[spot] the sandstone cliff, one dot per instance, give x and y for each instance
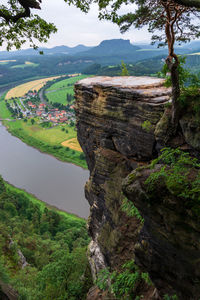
(121, 127)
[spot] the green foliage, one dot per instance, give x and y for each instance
(45, 124)
(129, 208)
(54, 245)
(189, 85)
(146, 278)
(82, 156)
(167, 297)
(18, 25)
(180, 174)
(147, 126)
(103, 279)
(124, 69)
(123, 284)
(4, 277)
(184, 74)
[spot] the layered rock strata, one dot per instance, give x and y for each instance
(116, 122)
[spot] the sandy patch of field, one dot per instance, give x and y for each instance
(22, 89)
(4, 61)
(197, 53)
(72, 144)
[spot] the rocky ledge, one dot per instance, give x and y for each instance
(117, 121)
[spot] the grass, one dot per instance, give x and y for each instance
(4, 112)
(60, 95)
(22, 89)
(58, 91)
(53, 136)
(65, 82)
(42, 204)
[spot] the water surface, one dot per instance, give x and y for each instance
(55, 182)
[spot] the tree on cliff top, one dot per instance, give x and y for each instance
(172, 22)
(175, 20)
(18, 25)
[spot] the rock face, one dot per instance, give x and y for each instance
(116, 122)
(168, 246)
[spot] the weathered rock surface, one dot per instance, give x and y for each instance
(116, 122)
(168, 246)
(111, 112)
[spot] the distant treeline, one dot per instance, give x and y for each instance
(147, 67)
(145, 63)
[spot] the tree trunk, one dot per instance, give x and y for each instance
(173, 63)
(175, 95)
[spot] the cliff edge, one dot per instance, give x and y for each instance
(120, 122)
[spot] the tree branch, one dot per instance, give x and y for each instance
(189, 3)
(26, 4)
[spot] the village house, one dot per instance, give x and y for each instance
(42, 106)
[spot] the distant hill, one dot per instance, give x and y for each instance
(112, 47)
(109, 49)
(58, 50)
(103, 59)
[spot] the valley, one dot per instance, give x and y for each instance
(47, 127)
(118, 128)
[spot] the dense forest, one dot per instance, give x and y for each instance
(47, 261)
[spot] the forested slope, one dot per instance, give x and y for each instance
(43, 251)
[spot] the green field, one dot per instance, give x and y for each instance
(58, 91)
(4, 112)
(65, 82)
(60, 96)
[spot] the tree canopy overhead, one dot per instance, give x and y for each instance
(18, 25)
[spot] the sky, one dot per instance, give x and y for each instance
(75, 27)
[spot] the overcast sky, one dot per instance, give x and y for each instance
(75, 27)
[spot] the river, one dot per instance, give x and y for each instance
(57, 183)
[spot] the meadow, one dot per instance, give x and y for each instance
(58, 91)
(4, 112)
(22, 89)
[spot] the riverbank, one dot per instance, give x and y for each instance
(42, 205)
(47, 140)
(57, 183)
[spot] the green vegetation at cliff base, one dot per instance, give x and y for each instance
(43, 250)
